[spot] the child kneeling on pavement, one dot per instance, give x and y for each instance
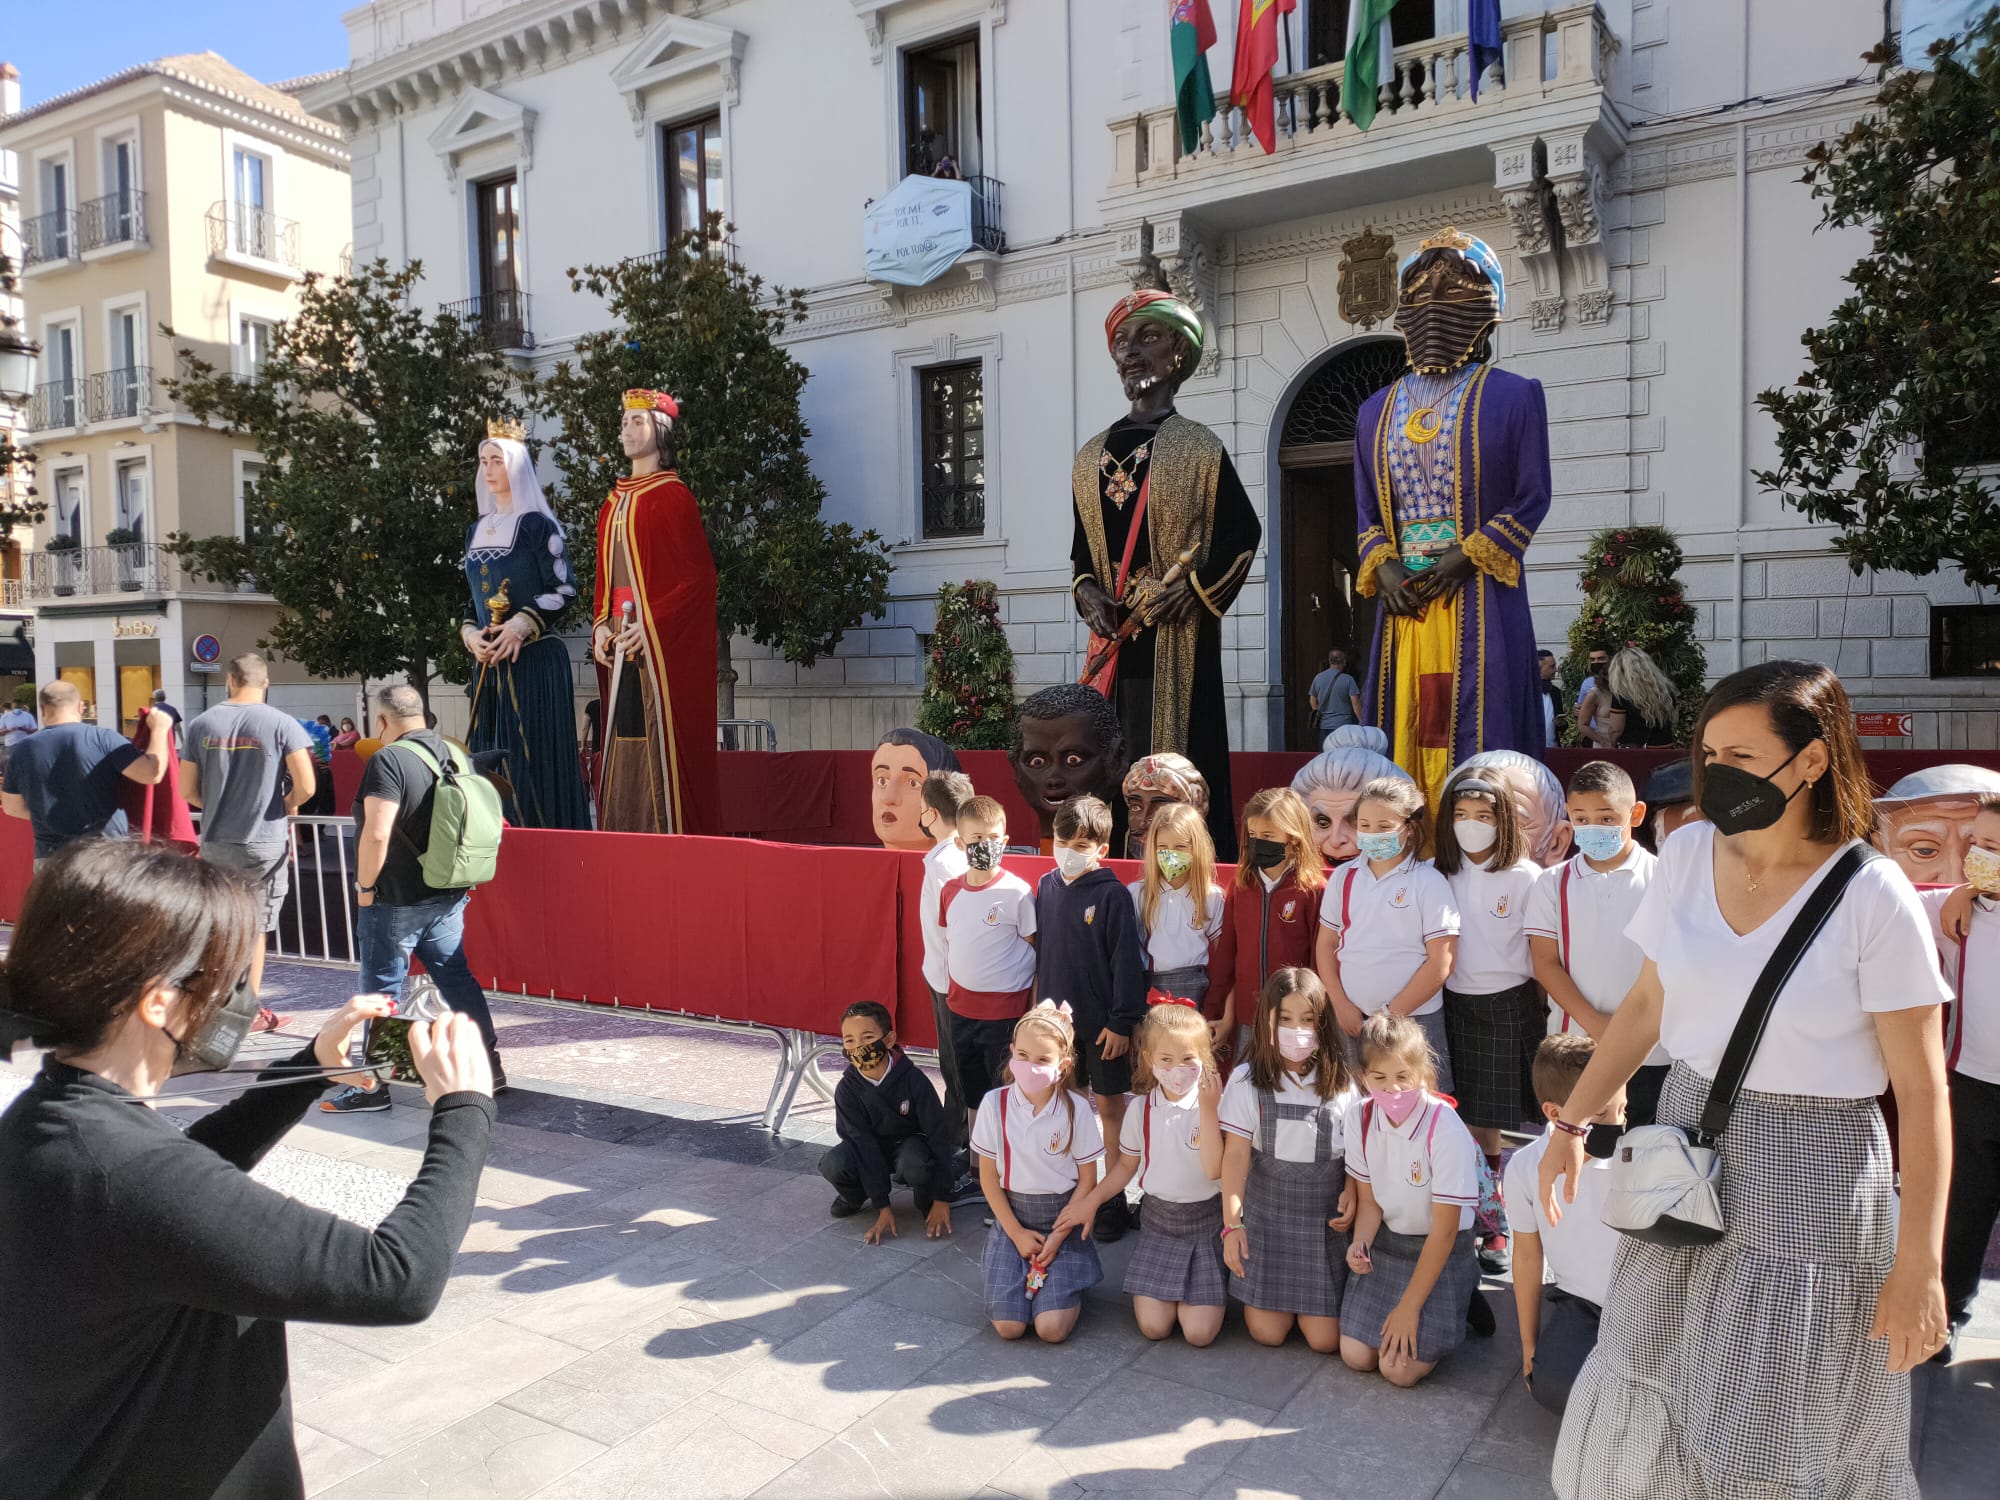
(892, 1127)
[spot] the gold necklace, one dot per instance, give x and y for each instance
(1121, 479)
(1423, 424)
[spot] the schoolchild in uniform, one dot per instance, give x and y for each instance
(1578, 913)
(988, 919)
(1972, 1054)
(1179, 904)
(1388, 928)
(1270, 920)
(890, 1124)
(1286, 1204)
(1412, 1271)
(1038, 1147)
(1172, 1144)
(943, 794)
(1577, 1249)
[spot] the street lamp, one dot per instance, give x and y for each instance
(17, 367)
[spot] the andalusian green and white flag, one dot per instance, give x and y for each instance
(1193, 33)
(1369, 58)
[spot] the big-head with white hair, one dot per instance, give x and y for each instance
(1538, 798)
(1926, 820)
(1331, 784)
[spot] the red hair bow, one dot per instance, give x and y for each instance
(1161, 997)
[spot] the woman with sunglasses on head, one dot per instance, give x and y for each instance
(145, 1279)
(1772, 1361)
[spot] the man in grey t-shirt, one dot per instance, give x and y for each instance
(248, 768)
(1335, 696)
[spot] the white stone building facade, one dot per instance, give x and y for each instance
(1638, 175)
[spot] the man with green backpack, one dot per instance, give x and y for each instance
(429, 832)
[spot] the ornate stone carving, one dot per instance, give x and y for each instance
(1525, 213)
(1367, 284)
(1593, 308)
(1576, 205)
(1548, 314)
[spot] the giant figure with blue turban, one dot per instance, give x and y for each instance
(1451, 480)
(1164, 538)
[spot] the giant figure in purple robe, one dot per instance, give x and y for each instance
(1451, 480)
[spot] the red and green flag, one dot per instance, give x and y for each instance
(1369, 58)
(1194, 98)
(1256, 58)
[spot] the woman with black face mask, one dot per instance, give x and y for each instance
(145, 1279)
(1775, 1359)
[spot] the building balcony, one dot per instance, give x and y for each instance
(112, 395)
(115, 222)
(254, 238)
(90, 572)
(1428, 132)
(55, 404)
(48, 239)
(500, 319)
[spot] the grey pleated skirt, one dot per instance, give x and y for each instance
(1371, 1298)
(1074, 1271)
(1179, 1257)
(1297, 1263)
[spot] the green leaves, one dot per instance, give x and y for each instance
(968, 699)
(1630, 593)
(1886, 433)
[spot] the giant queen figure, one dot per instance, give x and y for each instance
(1164, 539)
(1450, 481)
(654, 637)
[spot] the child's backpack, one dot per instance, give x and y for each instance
(464, 846)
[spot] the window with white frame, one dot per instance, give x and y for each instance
(67, 519)
(252, 226)
(941, 108)
(250, 471)
(57, 403)
(951, 461)
(693, 158)
(50, 235)
(125, 378)
(253, 344)
(132, 476)
(116, 217)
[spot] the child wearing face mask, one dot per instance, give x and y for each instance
(1270, 914)
(988, 919)
(1411, 1268)
(891, 1127)
(1171, 1143)
(1093, 959)
(942, 794)
(1578, 913)
(1038, 1148)
(1577, 1248)
(1179, 904)
(1388, 925)
(1285, 1200)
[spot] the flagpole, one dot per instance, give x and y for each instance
(1291, 99)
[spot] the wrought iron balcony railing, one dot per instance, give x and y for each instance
(116, 219)
(111, 394)
(143, 567)
(500, 318)
(238, 231)
(55, 403)
(48, 237)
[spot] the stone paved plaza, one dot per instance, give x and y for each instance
(653, 1301)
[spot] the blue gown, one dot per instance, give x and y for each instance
(527, 707)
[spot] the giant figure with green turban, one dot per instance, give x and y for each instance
(1164, 536)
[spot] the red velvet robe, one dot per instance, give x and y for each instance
(674, 574)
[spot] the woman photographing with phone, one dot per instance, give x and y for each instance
(147, 1278)
(1765, 1349)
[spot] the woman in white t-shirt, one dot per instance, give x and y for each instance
(1775, 1361)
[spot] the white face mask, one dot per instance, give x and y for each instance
(1473, 836)
(1073, 862)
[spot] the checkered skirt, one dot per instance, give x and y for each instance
(1493, 1040)
(1075, 1270)
(1742, 1370)
(1371, 1298)
(1297, 1264)
(1179, 1258)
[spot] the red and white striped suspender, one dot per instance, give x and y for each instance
(1006, 1147)
(1562, 896)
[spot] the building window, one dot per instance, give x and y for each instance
(249, 472)
(50, 234)
(68, 518)
(953, 458)
(57, 398)
(941, 108)
(693, 157)
(253, 345)
(1965, 640)
(254, 227)
(1326, 29)
(131, 492)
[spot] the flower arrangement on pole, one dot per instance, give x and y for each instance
(1631, 596)
(968, 699)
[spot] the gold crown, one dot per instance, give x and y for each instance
(1448, 238)
(506, 427)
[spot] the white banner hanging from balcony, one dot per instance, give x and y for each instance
(912, 236)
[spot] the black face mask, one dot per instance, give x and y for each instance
(1602, 1141)
(1266, 854)
(214, 1047)
(1739, 801)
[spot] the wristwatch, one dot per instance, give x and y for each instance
(363, 890)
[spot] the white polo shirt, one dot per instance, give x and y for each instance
(1176, 941)
(1576, 1253)
(1430, 1156)
(1492, 927)
(1384, 924)
(944, 861)
(986, 929)
(1042, 1148)
(1603, 961)
(1292, 1140)
(1168, 1145)
(1975, 1028)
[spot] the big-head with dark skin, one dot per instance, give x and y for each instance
(1067, 742)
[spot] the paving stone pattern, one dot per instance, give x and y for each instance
(652, 1301)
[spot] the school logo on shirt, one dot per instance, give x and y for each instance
(1289, 911)
(992, 917)
(1194, 1138)
(903, 1108)
(1057, 1145)
(1089, 915)
(1500, 907)
(1402, 897)
(1416, 1174)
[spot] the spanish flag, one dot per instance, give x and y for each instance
(1256, 57)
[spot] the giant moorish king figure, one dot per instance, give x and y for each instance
(660, 773)
(1451, 479)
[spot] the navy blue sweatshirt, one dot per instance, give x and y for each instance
(1090, 951)
(876, 1118)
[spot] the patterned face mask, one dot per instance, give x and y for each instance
(868, 1054)
(1173, 863)
(984, 854)
(1982, 869)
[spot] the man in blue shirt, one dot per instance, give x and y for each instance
(67, 779)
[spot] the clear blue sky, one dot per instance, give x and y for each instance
(60, 45)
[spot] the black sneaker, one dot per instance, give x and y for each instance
(965, 1190)
(1479, 1317)
(355, 1101)
(845, 1208)
(1112, 1221)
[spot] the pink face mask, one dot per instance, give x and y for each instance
(1297, 1043)
(1397, 1104)
(1034, 1077)
(1179, 1080)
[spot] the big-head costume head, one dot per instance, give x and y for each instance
(1538, 798)
(1926, 820)
(1331, 784)
(1067, 741)
(1154, 782)
(1155, 339)
(651, 425)
(1450, 296)
(896, 785)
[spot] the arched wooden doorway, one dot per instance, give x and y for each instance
(1317, 527)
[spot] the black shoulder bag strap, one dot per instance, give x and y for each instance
(1764, 994)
